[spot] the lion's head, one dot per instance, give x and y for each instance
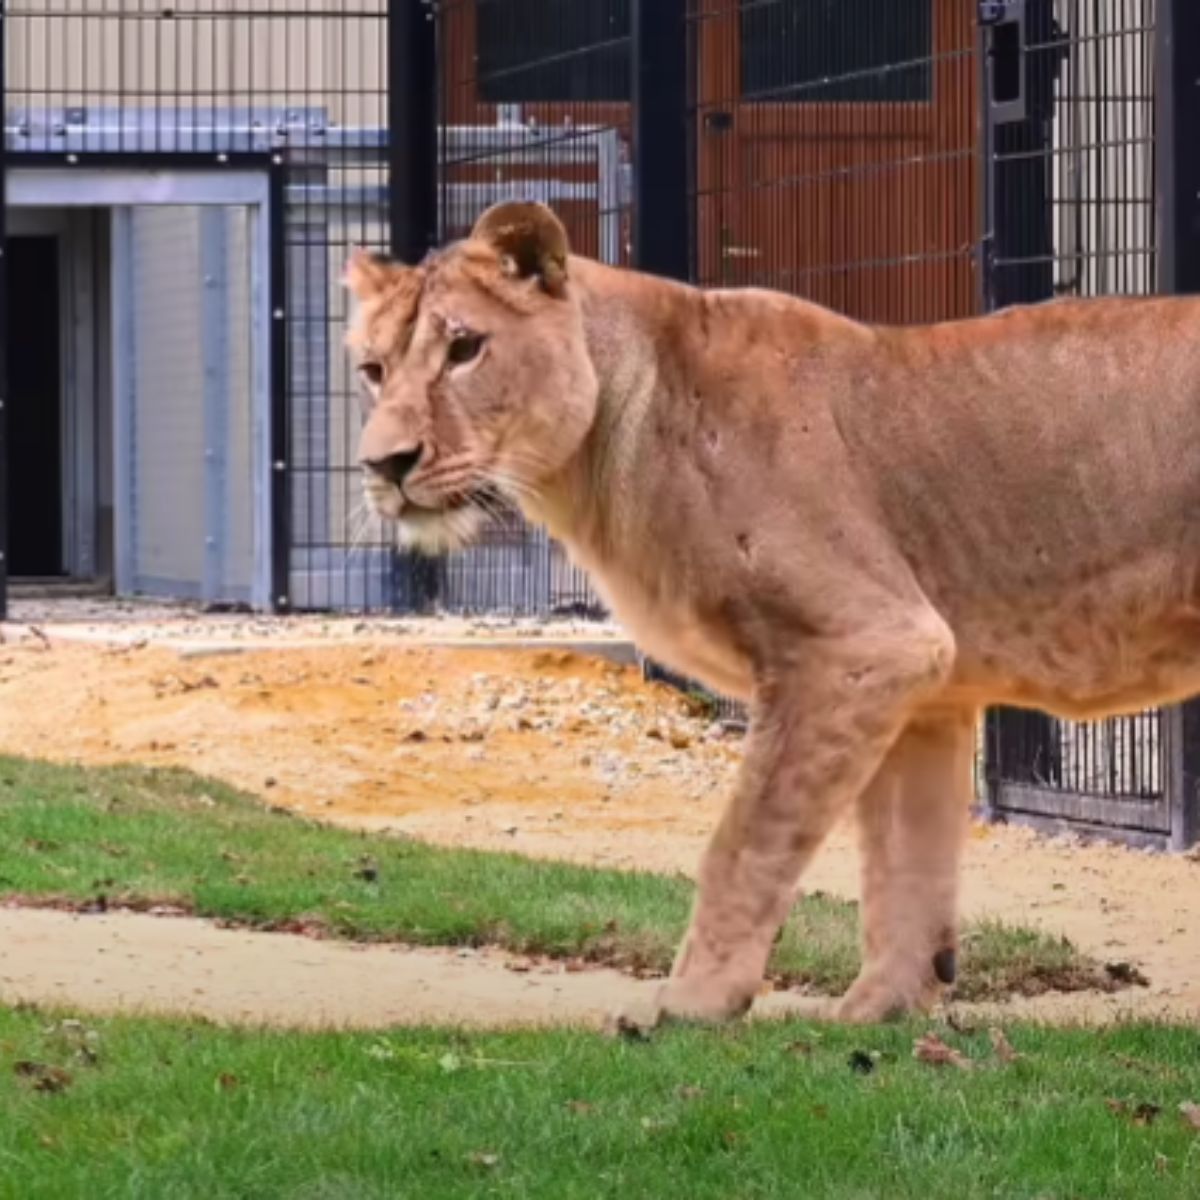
(477, 376)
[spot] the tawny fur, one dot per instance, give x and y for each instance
(869, 533)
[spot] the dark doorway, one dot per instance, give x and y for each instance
(34, 467)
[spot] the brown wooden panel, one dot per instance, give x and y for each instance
(869, 208)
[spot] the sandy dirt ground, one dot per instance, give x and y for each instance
(457, 733)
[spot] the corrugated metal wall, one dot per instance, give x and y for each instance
(213, 53)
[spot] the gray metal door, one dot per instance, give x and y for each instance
(186, 365)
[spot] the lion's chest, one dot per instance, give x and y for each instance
(673, 634)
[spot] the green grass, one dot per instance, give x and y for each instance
(139, 838)
(170, 1111)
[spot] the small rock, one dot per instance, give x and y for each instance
(1126, 972)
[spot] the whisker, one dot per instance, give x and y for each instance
(362, 516)
(490, 508)
(519, 488)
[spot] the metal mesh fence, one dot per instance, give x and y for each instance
(1072, 212)
(535, 105)
(835, 152)
(299, 86)
(1072, 163)
(1122, 757)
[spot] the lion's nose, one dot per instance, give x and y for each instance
(396, 467)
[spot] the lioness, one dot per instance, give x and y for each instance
(869, 533)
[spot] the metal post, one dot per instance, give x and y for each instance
(1016, 253)
(1018, 102)
(214, 355)
(281, 474)
(661, 218)
(413, 202)
(1181, 748)
(412, 128)
(3, 348)
(1177, 111)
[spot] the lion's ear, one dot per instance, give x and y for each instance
(367, 274)
(530, 240)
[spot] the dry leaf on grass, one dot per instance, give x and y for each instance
(632, 1029)
(1002, 1047)
(43, 1077)
(1191, 1114)
(931, 1049)
(1139, 1114)
(580, 1108)
(481, 1158)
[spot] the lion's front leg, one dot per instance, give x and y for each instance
(821, 727)
(912, 827)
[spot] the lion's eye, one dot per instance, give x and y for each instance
(463, 348)
(372, 372)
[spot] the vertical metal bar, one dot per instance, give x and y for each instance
(412, 72)
(124, 408)
(661, 222)
(1177, 169)
(986, 254)
(3, 339)
(1182, 775)
(214, 363)
(281, 491)
(1177, 104)
(608, 195)
(412, 108)
(263, 587)
(80, 398)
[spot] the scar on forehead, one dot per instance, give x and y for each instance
(390, 323)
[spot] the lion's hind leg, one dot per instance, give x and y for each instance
(912, 826)
(823, 722)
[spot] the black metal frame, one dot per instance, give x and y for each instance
(662, 137)
(412, 128)
(281, 475)
(1017, 250)
(412, 207)
(1178, 166)
(3, 339)
(1178, 182)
